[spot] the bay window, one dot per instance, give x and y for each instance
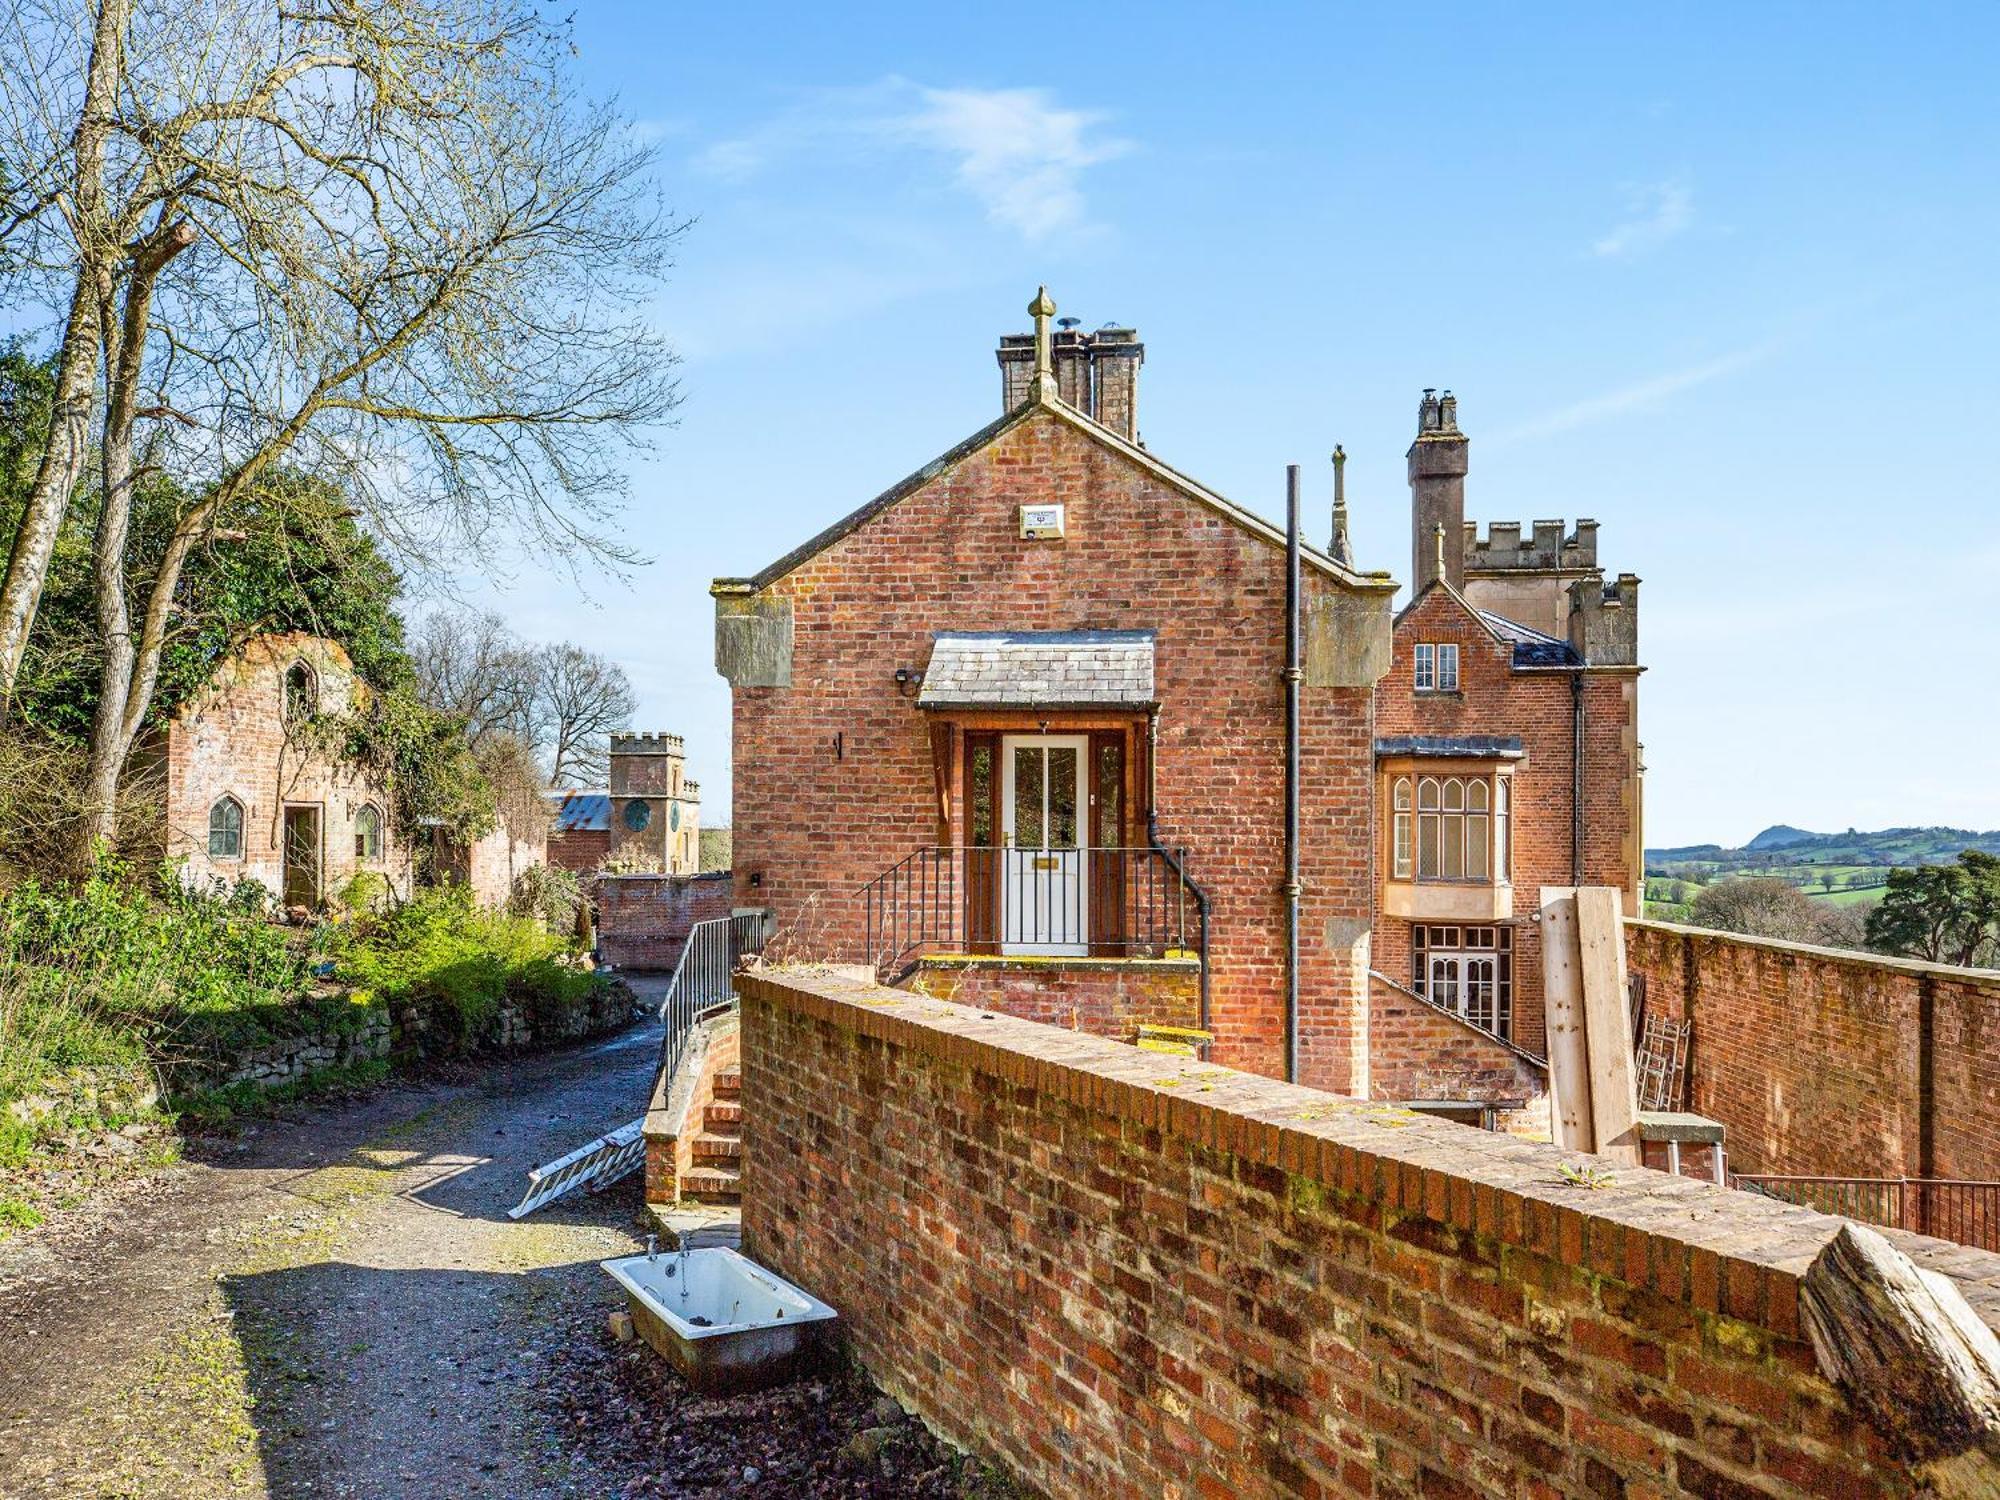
(1450, 828)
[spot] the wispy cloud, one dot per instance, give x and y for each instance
(1655, 213)
(1017, 152)
(1637, 396)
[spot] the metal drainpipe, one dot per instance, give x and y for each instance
(1172, 859)
(1293, 676)
(1576, 777)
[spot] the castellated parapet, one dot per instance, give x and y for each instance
(648, 743)
(1548, 550)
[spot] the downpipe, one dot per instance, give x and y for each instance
(1172, 859)
(1576, 777)
(1294, 675)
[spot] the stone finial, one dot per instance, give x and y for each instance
(1340, 549)
(1043, 387)
(1439, 537)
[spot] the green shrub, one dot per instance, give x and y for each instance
(455, 962)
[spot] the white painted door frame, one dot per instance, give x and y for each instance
(1044, 888)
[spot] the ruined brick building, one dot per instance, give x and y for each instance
(253, 793)
(1016, 731)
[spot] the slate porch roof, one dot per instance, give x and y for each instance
(1463, 746)
(1040, 669)
(1531, 647)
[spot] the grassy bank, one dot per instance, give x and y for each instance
(109, 983)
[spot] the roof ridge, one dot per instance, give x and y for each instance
(1192, 488)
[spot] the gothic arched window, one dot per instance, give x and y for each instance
(225, 829)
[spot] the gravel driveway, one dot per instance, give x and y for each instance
(338, 1306)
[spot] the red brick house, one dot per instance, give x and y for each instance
(252, 794)
(1506, 756)
(1015, 731)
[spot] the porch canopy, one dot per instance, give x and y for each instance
(1031, 669)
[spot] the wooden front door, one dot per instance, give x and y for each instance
(301, 850)
(1044, 875)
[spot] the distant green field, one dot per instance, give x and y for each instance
(1867, 897)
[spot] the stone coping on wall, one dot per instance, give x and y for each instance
(1717, 1250)
(1532, 1059)
(1854, 958)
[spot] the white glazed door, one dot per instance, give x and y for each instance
(1043, 892)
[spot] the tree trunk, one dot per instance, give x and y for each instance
(124, 667)
(76, 362)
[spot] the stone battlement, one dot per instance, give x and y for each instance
(1548, 548)
(648, 743)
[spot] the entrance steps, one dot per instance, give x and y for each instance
(716, 1175)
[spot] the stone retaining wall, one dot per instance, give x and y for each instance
(1123, 1274)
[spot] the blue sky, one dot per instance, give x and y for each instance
(1721, 277)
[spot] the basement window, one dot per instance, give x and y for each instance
(1468, 971)
(1437, 667)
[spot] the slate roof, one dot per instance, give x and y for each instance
(1040, 669)
(1465, 746)
(1531, 647)
(582, 812)
(1246, 520)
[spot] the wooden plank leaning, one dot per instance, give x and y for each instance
(1570, 1114)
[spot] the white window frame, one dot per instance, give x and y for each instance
(381, 834)
(1435, 667)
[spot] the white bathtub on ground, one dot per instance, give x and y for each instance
(725, 1323)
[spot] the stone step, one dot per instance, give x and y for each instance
(709, 1147)
(724, 1112)
(712, 1185)
(728, 1085)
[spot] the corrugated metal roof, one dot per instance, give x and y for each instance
(1531, 647)
(1040, 669)
(582, 812)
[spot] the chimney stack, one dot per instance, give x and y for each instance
(1095, 373)
(1437, 465)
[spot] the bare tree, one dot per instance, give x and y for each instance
(560, 700)
(581, 698)
(379, 239)
(58, 248)
(475, 667)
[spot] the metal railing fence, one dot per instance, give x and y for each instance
(1963, 1211)
(704, 980)
(1116, 902)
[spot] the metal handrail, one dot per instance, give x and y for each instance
(953, 898)
(704, 980)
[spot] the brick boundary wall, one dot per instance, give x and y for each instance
(1124, 1274)
(643, 921)
(1824, 1062)
(1106, 997)
(1420, 1051)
